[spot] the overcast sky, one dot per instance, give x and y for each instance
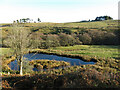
(57, 10)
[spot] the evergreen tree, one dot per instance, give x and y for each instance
(39, 20)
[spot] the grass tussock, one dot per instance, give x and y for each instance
(48, 64)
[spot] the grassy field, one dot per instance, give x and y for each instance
(108, 24)
(99, 24)
(104, 51)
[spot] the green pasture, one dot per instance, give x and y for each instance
(98, 24)
(104, 51)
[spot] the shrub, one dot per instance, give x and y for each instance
(85, 38)
(52, 41)
(110, 38)
(66, 40)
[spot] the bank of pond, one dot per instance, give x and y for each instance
(42, 61)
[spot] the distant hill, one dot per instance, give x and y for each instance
(98, 24)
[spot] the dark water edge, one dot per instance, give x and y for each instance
(33, 56)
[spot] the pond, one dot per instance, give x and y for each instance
(33, 56)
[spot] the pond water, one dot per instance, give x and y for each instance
(32, 56)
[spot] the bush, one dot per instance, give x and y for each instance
(66, 40)
(52, 41)
(110, 38)
(85, 38)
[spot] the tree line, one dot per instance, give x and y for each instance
(65, 37)
(26, 20)
(88, 37)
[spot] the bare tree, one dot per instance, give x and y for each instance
(18, 39)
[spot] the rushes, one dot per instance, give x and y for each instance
(48, 64)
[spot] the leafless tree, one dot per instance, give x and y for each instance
(19, 41)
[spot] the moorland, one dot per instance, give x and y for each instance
(96, 41)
